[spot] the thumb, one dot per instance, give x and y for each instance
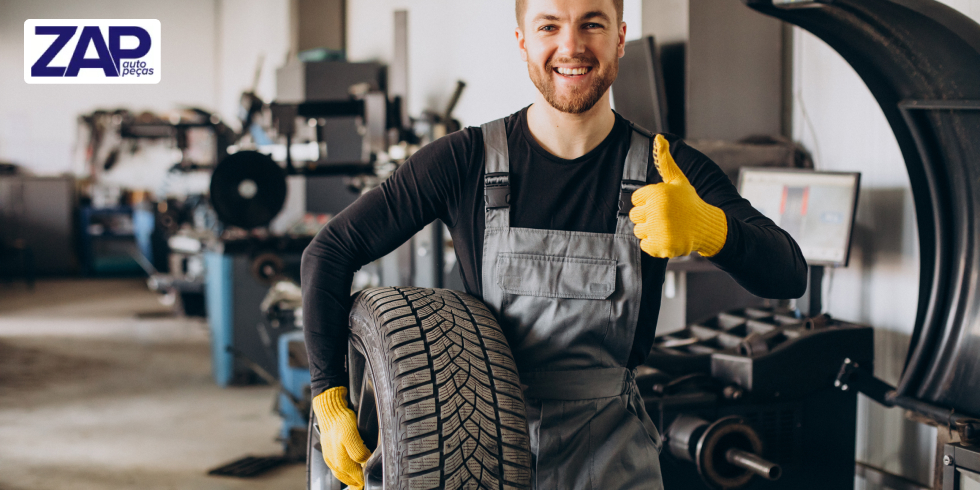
(666, 166)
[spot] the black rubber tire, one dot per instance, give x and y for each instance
(451, 410)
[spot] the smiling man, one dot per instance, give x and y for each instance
(565, 181)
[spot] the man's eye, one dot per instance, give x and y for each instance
(593, 25)
(547, 28)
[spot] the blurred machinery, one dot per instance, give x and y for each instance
(747, 400)
(108, 140)
(283, 308)
(144, 177)
(335, 130)
(249, 191)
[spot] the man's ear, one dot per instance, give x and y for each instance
(622, 39)
(520, 43)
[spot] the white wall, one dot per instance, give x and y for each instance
(246, 30)
(38, 122)
(835, 116)
(209, 53)
(449, 40)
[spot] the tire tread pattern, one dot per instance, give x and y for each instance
(458, 406)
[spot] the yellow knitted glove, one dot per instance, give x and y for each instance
(670, 219)
(343, 449)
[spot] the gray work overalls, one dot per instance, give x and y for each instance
(568, 303)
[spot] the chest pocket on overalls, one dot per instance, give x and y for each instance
(558, 292)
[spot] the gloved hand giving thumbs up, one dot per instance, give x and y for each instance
(670, 218)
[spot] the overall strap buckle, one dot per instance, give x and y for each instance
(627, 188)
(497, 190)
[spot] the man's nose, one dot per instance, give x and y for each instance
(571, 42)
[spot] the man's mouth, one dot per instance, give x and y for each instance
(573, 72)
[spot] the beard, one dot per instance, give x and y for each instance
(576, 102)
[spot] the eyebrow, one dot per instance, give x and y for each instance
(587, 16)
(595, 14)
(548, 17)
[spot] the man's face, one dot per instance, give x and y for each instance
(572, 49)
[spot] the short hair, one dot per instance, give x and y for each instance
(520, 8)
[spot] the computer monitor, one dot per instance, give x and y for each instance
(638, 92)
(816, 208)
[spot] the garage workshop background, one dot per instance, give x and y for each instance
(210, 48)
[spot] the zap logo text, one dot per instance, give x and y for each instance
(92, 51)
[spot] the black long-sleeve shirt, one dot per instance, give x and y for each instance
(444, 180)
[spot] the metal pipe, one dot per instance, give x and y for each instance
(754, 463)
(853, 376)
(967, 426)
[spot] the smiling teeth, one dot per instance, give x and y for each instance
(573, 71)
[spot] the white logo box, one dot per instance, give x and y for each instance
(112, 49)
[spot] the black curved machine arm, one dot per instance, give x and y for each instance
(921, 61)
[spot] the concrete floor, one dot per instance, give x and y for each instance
(101, 389)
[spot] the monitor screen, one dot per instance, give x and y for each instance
(815, 208)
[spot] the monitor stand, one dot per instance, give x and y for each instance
(811, 304)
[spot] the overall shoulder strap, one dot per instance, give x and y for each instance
(634, 174)
(496, 188)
